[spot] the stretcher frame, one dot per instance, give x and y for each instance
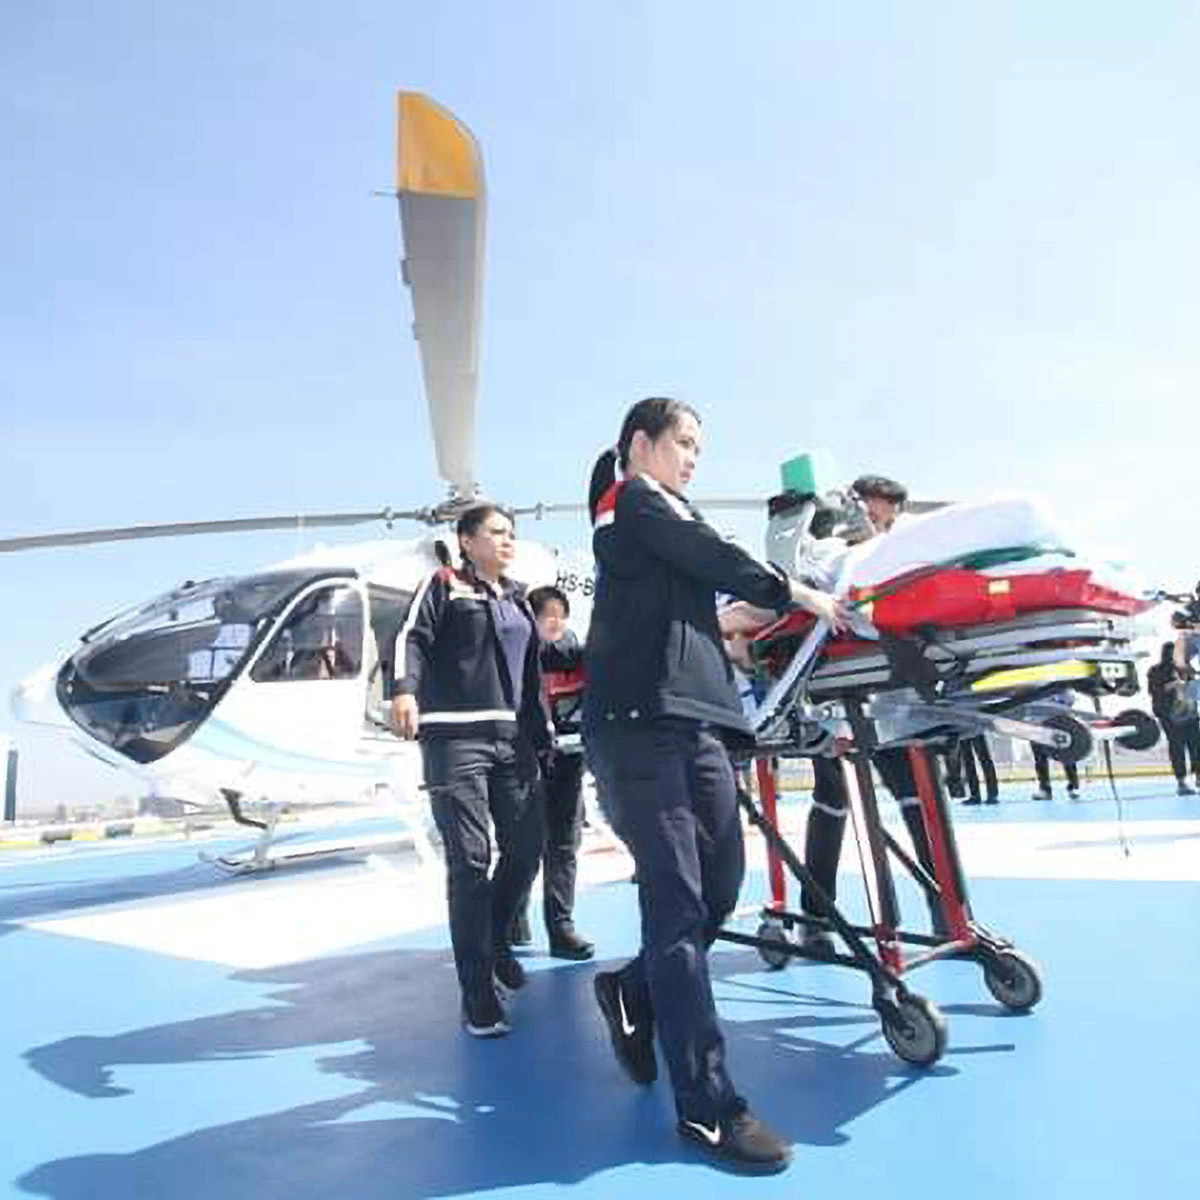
(979, 679)
(912, 1024)
(919, 693)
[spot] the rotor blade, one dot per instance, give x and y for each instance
(733, 505)
(86, 537)
(442, 206)
(538, 511)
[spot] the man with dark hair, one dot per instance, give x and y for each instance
(883, 499)
(562, 786)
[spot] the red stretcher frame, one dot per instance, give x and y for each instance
(912, 1024)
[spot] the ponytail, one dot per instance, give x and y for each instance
(604, 475)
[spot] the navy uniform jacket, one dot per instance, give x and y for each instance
(653, 647)
(453, 663)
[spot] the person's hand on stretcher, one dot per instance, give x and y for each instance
(740, 618)
(739, 621)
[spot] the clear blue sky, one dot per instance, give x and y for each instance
(954, 245)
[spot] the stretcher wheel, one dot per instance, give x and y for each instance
(1014, 980)
(772, 934)
(1143, 729)
(1081, 743)
(916, 1030)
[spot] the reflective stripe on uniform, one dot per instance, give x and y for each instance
(465, 718)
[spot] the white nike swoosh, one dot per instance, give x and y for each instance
(711, 1136)
(627, 1028)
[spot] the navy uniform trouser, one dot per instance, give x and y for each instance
(827, 819)
(667, 788)
(961, 763)
(470, 779)
(1041, 767)
(562, 797)
(1183, 742)
(563, 789)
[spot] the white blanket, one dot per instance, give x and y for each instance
(948, 533)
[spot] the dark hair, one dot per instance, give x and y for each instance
(469, 523)
(652, 416)
(880, 487)
(1168, 653)
(541, 596)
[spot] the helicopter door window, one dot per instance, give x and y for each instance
(321, 639)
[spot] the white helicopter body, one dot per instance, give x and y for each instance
(270, 687)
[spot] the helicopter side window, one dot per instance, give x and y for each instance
(321, 639)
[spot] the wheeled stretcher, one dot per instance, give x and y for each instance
(982, 639)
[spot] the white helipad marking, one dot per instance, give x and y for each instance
(245, 926)
(1162, 851)
(256, 924)
(1158, 850)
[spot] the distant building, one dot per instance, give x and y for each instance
(8, 777)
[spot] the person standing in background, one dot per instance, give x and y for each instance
(562, 789)
(1176, 713)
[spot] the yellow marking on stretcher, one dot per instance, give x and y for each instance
(1070, 668)
(999, 587)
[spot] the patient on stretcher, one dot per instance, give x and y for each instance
(963, 564)
(974, 608)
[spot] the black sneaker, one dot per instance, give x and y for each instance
(992, 800)
(631, 1031)
(1184, 790)
(1042, 795)
(566, 943)
(971, 800)
(483, 1016)
(509, 973)
(741, 1141)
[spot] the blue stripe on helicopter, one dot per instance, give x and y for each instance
(224, 741)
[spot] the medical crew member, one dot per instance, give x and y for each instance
(471, 688)
(562, 789)
(660, 697)
(883, 499)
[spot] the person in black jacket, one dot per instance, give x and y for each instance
(562, 788)
(659, 700)
(825, 828)
(471, 688)
(1169, 703)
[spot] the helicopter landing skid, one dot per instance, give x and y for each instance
(265, 855)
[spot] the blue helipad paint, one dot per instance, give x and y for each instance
(129, 1073)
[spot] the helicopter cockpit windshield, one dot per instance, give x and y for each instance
(142, 682)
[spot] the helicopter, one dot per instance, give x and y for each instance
(248, 691)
